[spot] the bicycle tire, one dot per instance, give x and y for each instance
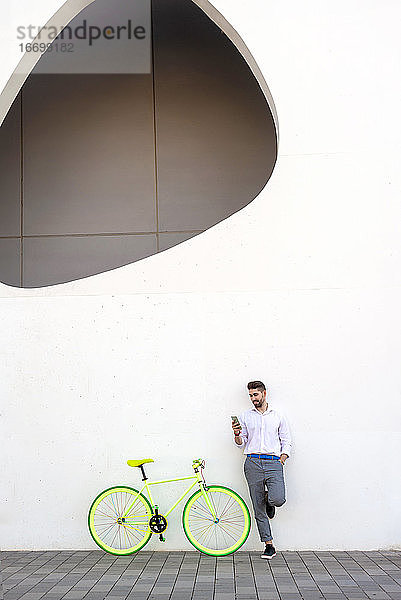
(222, 537)
(125, 537)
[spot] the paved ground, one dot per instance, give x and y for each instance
(94, 575)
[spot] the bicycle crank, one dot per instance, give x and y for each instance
(158, 523)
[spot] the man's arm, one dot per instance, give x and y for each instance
(240, 435)
(284, 435)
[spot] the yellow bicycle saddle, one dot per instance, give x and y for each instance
(138, 463)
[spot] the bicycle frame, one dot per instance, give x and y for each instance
(197, 480)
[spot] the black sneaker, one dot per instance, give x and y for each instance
(269, 552)
(270, 510)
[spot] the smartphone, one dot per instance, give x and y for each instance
(235, 421)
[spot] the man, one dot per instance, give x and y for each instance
(265, 436)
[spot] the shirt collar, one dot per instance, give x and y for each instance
(266, 411)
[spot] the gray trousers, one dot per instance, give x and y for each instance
(261, 472)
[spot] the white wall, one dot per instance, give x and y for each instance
(301, 289)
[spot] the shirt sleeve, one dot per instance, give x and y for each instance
(284, 436)
(244, 433)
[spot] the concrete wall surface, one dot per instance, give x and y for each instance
(301, 289)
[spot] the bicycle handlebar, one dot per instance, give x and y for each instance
(198, 462)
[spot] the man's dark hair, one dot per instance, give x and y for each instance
(256, 385)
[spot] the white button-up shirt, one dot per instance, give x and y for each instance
(266, 433)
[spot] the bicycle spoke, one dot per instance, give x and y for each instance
(226, 507)
(204, 509)
(108, 515)
(231, 536)
(133, 533)
(107, 530)
(114, 505)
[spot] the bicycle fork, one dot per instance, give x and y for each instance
(203, 489)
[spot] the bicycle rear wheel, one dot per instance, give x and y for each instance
(111, 529)
(220, 536)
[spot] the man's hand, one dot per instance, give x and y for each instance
(283, 458)
(236, 429)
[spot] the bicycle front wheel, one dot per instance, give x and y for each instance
(112, 529)
(221, 535)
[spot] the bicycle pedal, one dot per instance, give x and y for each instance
(161, 538)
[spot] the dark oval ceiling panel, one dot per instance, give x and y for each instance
(102, 169)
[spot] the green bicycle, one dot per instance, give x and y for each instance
(216, 519)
